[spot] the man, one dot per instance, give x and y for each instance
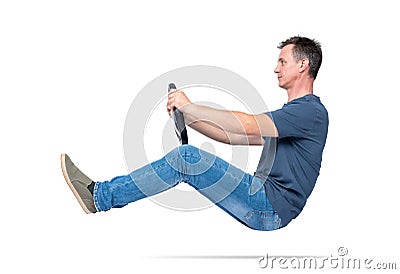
(293, 138)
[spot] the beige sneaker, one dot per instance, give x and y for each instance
(78, 183)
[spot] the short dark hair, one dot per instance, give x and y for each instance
(305, 48)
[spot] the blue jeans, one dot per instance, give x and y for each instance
(238, 193)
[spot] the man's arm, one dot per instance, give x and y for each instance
(216, 133)
(232, 127)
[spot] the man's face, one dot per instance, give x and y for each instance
(287, 69)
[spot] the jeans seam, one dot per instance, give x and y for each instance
(154, 171)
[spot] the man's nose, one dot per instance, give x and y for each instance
(277, 69)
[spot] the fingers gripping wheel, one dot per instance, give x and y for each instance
(179, 122)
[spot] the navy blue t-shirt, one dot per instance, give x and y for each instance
(302, 126)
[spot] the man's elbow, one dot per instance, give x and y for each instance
(251, 127)
(265, 126)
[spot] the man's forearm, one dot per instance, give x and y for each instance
(210, 131)
(226, 121)
(218, 134)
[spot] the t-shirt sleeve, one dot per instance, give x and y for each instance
(294, 120)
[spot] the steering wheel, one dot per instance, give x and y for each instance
(179, 122)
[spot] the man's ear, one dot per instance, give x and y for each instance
(304, 64)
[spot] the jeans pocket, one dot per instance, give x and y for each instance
(263, 220)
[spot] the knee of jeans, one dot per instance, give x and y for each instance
(181, 151)
(187, 149)
(189, 153)
(179, 157)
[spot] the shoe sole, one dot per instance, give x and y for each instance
(71, 186)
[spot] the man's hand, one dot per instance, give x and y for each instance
(177, 99)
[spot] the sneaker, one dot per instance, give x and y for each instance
(78, 183)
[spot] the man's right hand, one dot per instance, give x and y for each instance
(177, 99)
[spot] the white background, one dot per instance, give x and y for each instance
(69, 71)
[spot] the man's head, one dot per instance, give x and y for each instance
(298, 55)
